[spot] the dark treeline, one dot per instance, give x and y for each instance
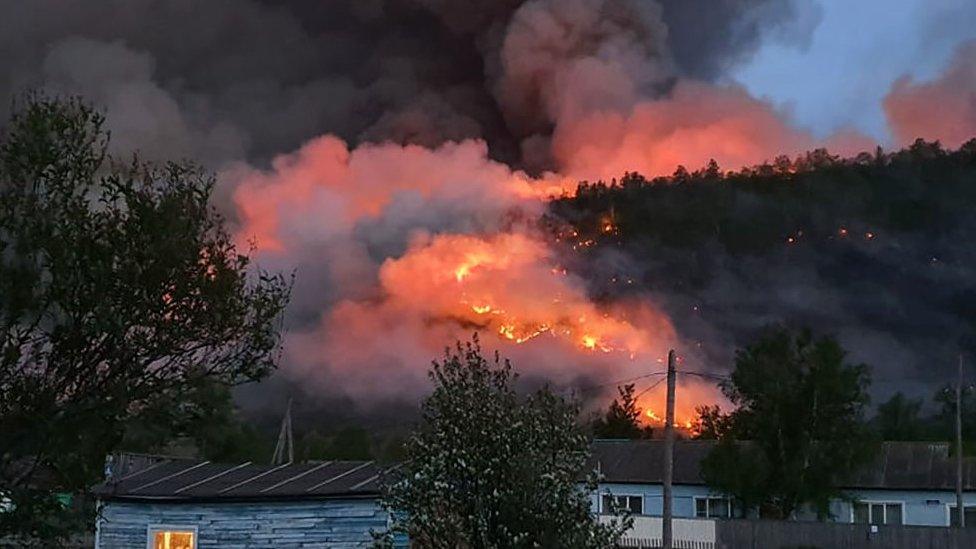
(876, 249)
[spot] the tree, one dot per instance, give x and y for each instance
(798, 426)
(205, 416)
(489, 468)
(119, 289)
(622, 418)
(899, 419)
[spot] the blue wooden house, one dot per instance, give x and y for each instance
(911, 483)
(193, 504)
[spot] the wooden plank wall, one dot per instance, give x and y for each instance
(325, 523)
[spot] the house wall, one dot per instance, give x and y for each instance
(921, 507)
(332, 523)
(653, 495)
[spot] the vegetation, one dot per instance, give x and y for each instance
(797, 428)
(489, 468)
(123, 300)
(622, 418)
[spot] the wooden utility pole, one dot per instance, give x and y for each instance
(960, 508)
(666, 532)
(286, 441)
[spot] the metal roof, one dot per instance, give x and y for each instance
(899, 465)
(182, 479)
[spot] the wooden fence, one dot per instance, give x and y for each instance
(767, 534)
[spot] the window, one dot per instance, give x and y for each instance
(970, 511)
(611, 502)
(172, 537)
(716, 507)
(877, 512)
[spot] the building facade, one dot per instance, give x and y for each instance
(911, 483)
(187, 504)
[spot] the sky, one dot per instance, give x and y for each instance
(856, 52)
(395, 154)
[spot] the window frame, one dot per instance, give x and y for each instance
(885, 502)
(949, 507)
(708, 506)
(153, 528)
(621, 495)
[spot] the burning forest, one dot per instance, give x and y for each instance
(418, 166)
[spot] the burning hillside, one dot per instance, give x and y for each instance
(398, 155)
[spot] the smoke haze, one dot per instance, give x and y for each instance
(396, 154)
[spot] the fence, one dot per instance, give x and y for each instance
(688, 533)
(766, 534)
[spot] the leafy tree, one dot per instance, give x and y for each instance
(489, 468)
(205, 415)
(351, 442)
(711, 423)
(899, 419)
(119, 289)
(943, 421)
(798, 426)
(622, 418)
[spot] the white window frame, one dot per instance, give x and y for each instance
(621, 495)
(708, 507)
(952, 505)
(869, 502)
(153, 528)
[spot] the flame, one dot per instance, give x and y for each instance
(510, 276)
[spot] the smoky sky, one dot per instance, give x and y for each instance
(246, 79)
(226, 82)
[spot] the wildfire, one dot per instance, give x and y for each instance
(685, 424)
(506, 284)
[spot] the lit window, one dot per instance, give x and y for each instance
(713, 507)
(871, 512)
(166, 537)
(612, 503)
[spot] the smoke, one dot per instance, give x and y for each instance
(397, 154)
(943, 109)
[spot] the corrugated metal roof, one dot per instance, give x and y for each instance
(899, 466)
(181, 479)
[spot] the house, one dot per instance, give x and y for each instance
(911, 483)
(195, 504)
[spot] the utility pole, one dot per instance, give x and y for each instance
(960, 508)
(666, 532)
(285, 440)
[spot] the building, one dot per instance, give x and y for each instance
(911, 483)
(194, 504)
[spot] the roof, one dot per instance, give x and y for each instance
(194, 480)
(899, 466)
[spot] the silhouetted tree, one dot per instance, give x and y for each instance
(623, 418)
(797, 428)
(119, 289)
(899, 418)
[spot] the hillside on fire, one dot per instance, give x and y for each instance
(876, 247)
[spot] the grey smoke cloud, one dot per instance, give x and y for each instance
(247, 79)
(235, 83)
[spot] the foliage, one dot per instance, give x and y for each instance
(711, 423)
(899, 418)
(622, 418)
(350, 442)
(205, 416)
(489, 468)
(119, 289)
(798, 426)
